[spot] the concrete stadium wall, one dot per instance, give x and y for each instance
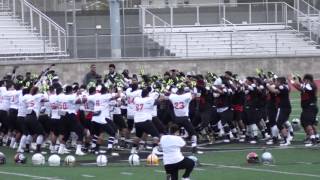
(74, 70)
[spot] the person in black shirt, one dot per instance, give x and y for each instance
(283, 105)
(308, 90)
(238, 100)
(272, 114)
(91, 76)
(251, 113)
(223, 93)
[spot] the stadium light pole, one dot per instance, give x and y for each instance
(114, 6)
(74, 23)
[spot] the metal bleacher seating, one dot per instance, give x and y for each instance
(231, 41)
(19, 40)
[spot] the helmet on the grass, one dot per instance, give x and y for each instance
(153, 160)
(70, 160)
(20, 158)
(2, 158)
(267, 158)
(38, 159)
(296, 125)
(102, 160)
(134, 160)
(253, 158)
(54, 160)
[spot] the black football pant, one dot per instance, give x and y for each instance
(172, 170)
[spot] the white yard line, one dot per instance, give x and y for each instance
(263, 170)
(159, 171)
(126, 173)
(29, 176)
(87, 176)
(241, 149)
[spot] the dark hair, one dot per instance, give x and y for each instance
(282, 80)
(25, 91)
(174, 128)
(34, 90)
(250, 79)
(51, 88)
(229, 73)
(9, 84)
(134, 86)
(112, 65)
(145, 92)
(104, 89)
(166, 74)
(308, 77)
(18, 86)
(92, 90)
(59, 90)
(68, 89)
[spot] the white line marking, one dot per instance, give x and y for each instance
(306, 163)
(264, 170)
(271, 165)
(127, 173)
(29, 176)
(199, 169)
(159, 171)
(87, 176)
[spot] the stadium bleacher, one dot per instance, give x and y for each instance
(295, 34)
(18, 39)
(227, 41)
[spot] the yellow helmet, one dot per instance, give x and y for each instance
(152, 160)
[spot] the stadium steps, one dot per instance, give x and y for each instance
(19, 40)
(245, 40)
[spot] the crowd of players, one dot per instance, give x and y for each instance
(227, 108)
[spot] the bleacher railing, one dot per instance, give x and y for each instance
(274, 13)
(39, 23)
(149, 20)
(240, 43)
(307, 8)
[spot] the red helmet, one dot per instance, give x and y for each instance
(20, 158)
(253, 158)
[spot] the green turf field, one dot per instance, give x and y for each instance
(219, 162)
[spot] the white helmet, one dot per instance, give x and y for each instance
(134, 160)
(70, 160)
(38, 159)
(102, 160)
(296, 124)
(266, 158)
(54, 160)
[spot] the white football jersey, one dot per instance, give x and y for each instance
(54, 106)
(14, 98)
(105, 101)
(45, 106)
(34, 103)
(181, 104)
(144, 108)
(98, 113)
(22, 109)
(130, 101)
(68, 103)
(4, 99)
